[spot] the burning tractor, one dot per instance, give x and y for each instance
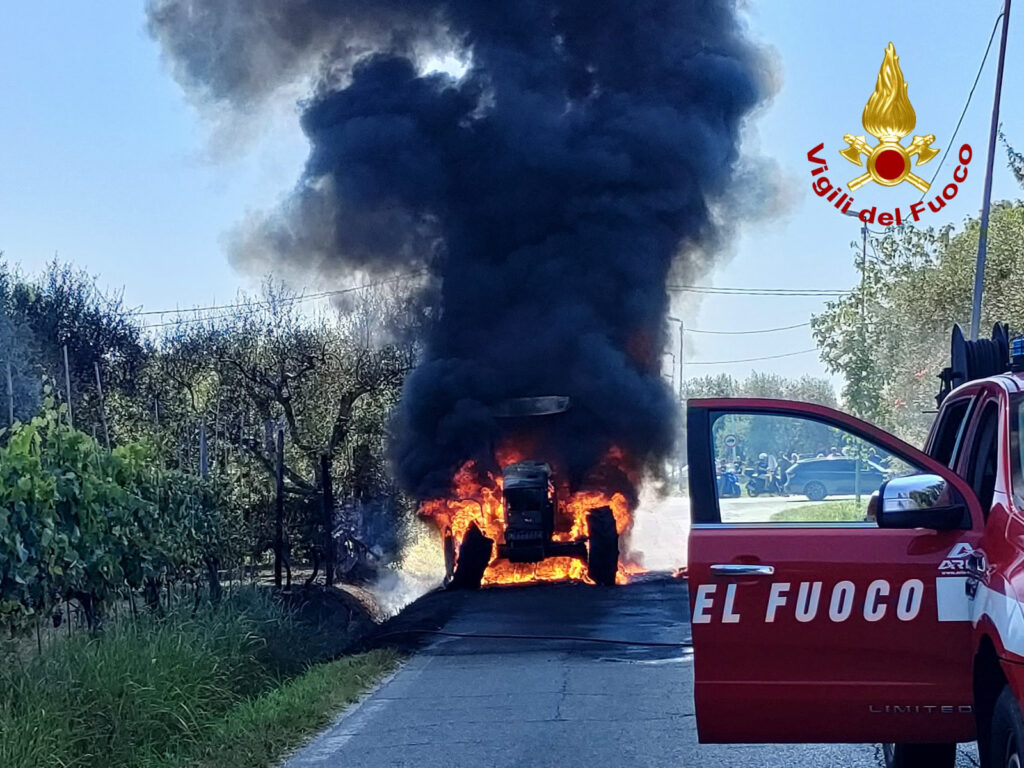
(531, 507)
(522, 519)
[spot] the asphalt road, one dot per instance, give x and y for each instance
(468, 703)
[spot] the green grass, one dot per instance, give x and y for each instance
(261, 730)
(228, 686)
(839, 511)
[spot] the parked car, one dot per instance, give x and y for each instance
(835, 475)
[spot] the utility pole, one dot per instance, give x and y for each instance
(672, 374)
(679, 361)
(986, 201)
(863, 340)
(679, 358)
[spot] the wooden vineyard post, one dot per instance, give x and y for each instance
(67, 385)
(103, 407)
(10, 395)
(279, 511)
(204, 458)
(328, 510)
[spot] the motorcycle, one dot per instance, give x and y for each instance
(729, 485)
(760, 481)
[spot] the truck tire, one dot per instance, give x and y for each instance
(919, 755)
(1006, 734)
(603, 547)
(815, 491)
(474, 557)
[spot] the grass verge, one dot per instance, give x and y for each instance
(260, 731)
(839, 511)
(228, 686)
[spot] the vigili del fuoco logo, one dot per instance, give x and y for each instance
(889, 117)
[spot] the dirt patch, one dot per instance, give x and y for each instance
(340, 618)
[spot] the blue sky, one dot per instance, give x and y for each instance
(105, 162)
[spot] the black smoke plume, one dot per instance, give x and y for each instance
(549, 187)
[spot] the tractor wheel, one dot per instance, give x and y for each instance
(474, 557)
(603, 549)
(815, 491)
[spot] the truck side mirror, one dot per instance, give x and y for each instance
(921, 501)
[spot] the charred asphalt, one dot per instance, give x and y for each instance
(510, 701)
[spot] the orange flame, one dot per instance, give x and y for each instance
(889, 115)
(476, 498)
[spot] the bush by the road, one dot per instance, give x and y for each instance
(78, 522)
(187, 689)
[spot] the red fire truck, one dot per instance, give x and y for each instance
(892, 615)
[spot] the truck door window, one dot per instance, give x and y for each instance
(982, 463)
(950, 432)
(774, 468)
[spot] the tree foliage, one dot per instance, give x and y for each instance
(328, 379)
(760, 434)
(916, 285)
(61, 308)
(224, 382)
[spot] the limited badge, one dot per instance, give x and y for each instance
(889, 116)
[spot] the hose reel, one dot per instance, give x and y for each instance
(970, 360)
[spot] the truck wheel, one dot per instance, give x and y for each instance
(1006, 736)
(815, 491)
(474, 557)
(919, 755)
(603, 548)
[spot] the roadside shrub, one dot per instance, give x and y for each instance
(79, 522)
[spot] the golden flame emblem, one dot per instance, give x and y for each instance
(889, 116)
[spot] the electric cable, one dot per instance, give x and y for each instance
(292, 300)
(708, 289)
(704, 289)
(746, 333)
(751, 359)
(970, 95)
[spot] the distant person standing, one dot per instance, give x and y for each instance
(772, 479)
(784, 465)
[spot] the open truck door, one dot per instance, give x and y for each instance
(826, 615)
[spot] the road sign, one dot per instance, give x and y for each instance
(730, 441)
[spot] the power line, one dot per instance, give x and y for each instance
(323, 294)
(204, 319)
(751, 359)
(745, 333)
(293, 300)
(303, 297)
(977, 77)
(707, 289)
